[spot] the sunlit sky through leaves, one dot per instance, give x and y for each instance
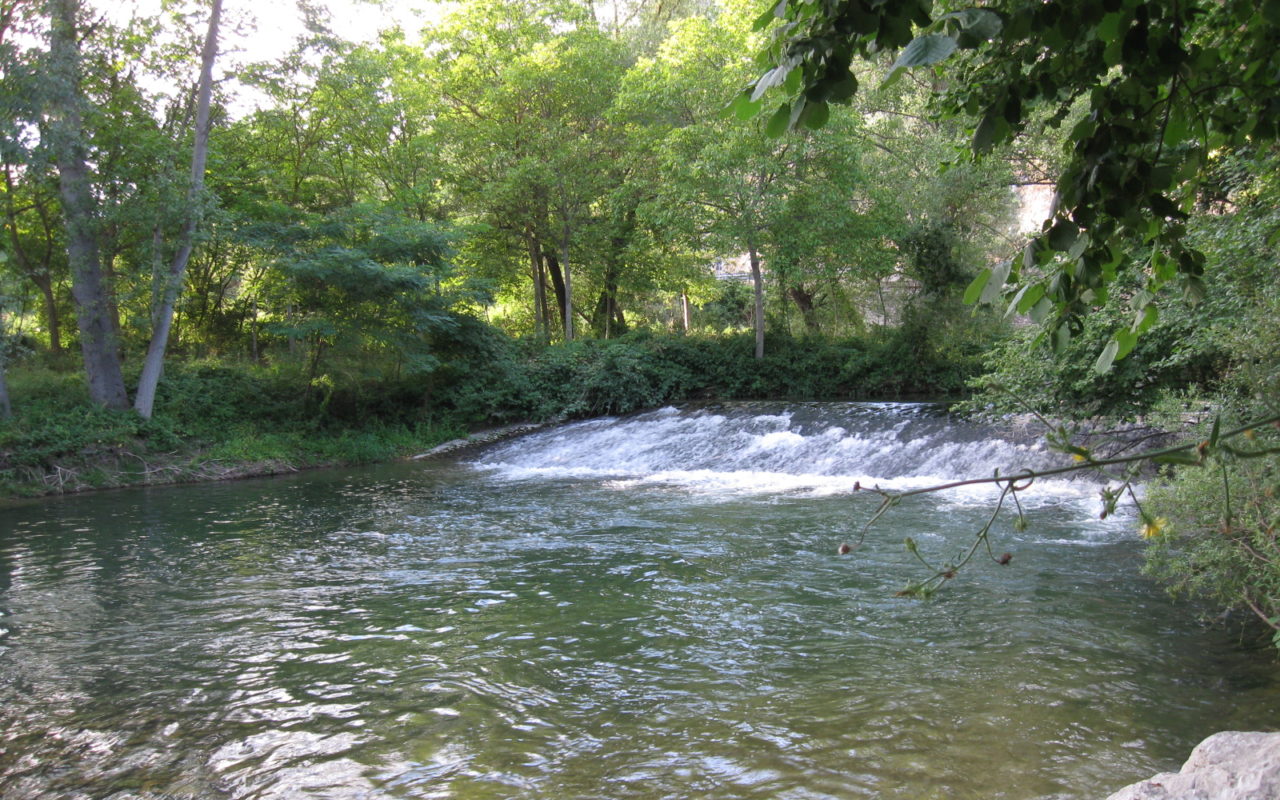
(267, 27)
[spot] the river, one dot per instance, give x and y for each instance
(647, 607)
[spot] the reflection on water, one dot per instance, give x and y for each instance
(436, 630)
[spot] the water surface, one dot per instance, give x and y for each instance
(594, 613)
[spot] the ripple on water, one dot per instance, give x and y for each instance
(435, 631)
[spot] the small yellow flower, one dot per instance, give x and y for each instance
(1151, 528)
(1079, 458)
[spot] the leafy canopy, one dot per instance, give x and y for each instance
(1147, 93)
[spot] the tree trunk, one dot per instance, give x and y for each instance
(253, 332)
(684, 311)
(52, 322)
(607, 319)
(97, 339)
(541, 327)
(806, 302)
(153, 366)
(6, 410)
(557, 283)
(757, 281)
(568, 286)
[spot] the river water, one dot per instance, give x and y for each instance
(650, 607)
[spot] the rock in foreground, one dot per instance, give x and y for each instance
(1227, 766)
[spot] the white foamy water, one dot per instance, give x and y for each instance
(806, 449)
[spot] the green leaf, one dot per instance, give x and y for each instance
(763, 21)
(815, 115)
(1176, 129)
(1109, 29)
(977, 25)
(797, 111)
(777, 124)
(984, 137)
(974, 291)
(1103, 364)
(741, 106)
(748, 109)
(1194, 290)
(1077, 249)
(1041, 310)
(999, 274)
(1061, 338)
(791, 84)
(840, 87)
(1145, 318)
(1126, 341)
(1063, 235)
(778, 11)
(1030, 298)
(924, 50)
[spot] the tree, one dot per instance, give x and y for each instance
(66, 134)
(1145, 91)
(721, 183)
(368, 280)
(35, 237)
(162, 316)
(111, 156)
(522, 123)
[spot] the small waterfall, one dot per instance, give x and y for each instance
(814, 448)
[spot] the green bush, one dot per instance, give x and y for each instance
(359, 410)
(1215, 534)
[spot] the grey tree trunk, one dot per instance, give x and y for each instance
(153, 366)
(6, 410)
(540, 324)
(568, 285)
(66, 137)
(757, 281)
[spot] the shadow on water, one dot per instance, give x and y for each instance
(639, 608)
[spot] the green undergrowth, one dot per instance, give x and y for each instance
(227, 419)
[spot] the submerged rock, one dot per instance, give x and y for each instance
(1227, 766)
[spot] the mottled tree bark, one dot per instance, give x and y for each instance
(66, 136)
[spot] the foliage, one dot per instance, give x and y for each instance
(213, 412)
(1221, 349)
(1165, 86)
(1217, 540)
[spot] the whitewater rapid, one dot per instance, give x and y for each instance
(814, 449)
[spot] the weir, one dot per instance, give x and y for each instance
(802, 448)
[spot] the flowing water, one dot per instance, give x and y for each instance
(650, 607)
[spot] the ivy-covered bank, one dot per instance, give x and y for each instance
(218, 420)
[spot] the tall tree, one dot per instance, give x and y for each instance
(525, 95)
(725, 182)
(162, 316)
(65, 132)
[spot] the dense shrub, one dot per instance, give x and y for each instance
(1221, 546)
(361, 410)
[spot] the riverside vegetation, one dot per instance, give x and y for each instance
(415, 237)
